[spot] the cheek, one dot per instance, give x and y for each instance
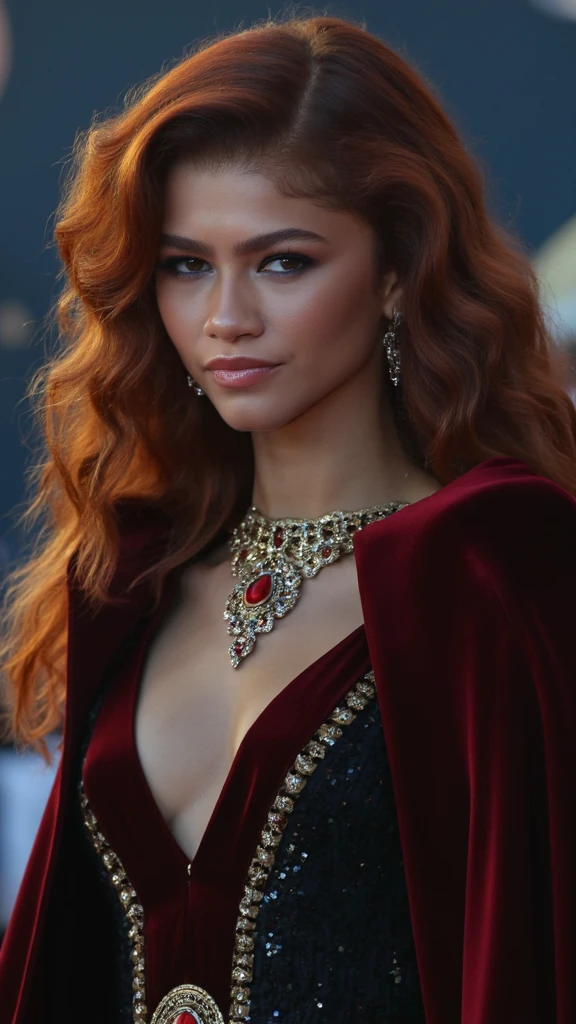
(175, 313)
(335, 330)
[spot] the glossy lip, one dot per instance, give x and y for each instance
(237, 363)
(242, 378)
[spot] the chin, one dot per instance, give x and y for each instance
(255, 420)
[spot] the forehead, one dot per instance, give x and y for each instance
(200, 201)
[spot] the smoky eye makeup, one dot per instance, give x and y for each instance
(174, 265)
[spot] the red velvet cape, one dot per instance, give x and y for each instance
(469, 600)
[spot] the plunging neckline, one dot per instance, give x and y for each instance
(121, 705)
(190, 913)
(178, 853)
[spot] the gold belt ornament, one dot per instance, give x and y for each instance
(187, 1004)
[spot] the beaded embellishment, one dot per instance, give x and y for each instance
(129, 901)
(304, 766)
(187, 1004)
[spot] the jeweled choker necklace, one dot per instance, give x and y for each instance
(271, 557)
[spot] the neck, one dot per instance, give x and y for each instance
(342, 454)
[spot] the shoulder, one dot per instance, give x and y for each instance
(501, 516)
(142, 533)
(473, 581)
(140, 523)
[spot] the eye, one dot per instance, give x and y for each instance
(174, 264)
(293, 257)
(183, 266)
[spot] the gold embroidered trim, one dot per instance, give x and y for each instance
(129, 903)
(305, 764)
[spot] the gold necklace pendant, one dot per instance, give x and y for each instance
(271, 558)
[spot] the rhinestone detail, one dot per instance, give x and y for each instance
(187, 1004)
(304, 766)
(129, 901)
(272, 557)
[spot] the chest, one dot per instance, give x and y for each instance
(194, 709)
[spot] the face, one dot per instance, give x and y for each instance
(269, 327)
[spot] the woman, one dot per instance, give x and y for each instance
(297, 785)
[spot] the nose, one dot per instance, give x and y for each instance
(231, 313)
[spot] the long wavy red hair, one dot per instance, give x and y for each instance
(332, 114)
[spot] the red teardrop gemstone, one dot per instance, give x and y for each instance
(278, 538)
(259, 590)
(326, 552)
(238, 648)
(185, 1018)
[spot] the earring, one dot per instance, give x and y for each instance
(192, 384)
(392, 346)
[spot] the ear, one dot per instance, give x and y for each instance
(391, 294)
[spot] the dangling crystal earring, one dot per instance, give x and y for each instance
(392, 347)
(192, 384)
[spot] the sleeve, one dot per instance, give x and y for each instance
(470, 611)
(535, 552)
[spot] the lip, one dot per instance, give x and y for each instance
(243, 378)
(237, 363)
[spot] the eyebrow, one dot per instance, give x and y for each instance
(245, 248)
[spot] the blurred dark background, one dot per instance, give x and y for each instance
(505, 71)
